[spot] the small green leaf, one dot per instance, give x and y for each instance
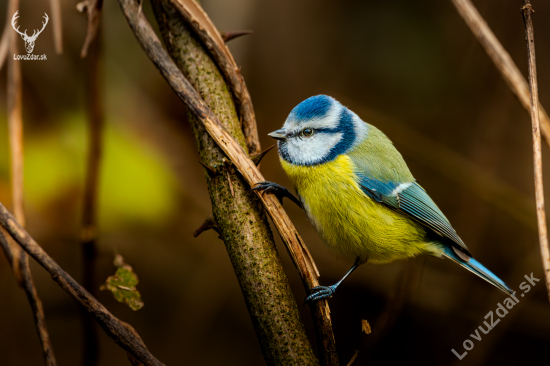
(123, 284)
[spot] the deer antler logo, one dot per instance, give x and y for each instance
(29, 41)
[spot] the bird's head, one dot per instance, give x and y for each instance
(318, 130)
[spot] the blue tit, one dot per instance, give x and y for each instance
(359, 194)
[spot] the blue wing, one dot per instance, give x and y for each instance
(412, 200)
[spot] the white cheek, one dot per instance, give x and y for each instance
(311, 150)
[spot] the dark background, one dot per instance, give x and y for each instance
(411, 68)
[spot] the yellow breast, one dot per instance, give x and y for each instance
(350, 222)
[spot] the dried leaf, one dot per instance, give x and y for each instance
(123, 284)
(365, 326)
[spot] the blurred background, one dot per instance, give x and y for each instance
(413, 69)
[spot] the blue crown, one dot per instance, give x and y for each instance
(312, 107)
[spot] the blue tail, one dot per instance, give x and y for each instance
(479, 269)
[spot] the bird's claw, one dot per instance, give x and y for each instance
(320, 293)
(267, 187)
(279, 191)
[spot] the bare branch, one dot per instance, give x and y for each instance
(122, 333)
(93, 9)
(4, 45)
(18, 259)
(527, 12)
(298, 251)
(502, 60)
(207, 32)
(88, 234)
(57, 26)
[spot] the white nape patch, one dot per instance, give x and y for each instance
(360, 127)
(309, 150)
(400, 188)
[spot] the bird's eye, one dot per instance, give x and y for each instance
(308, 132)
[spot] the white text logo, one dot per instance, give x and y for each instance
(500, 311)
(29, 40)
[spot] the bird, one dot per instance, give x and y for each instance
(359, 194)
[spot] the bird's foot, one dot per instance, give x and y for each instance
(279, 191)
(320, 293)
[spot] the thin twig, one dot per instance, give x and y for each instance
(209, 223)
(88, 234)
(93, 9)
(122, 333)
(298, 251)
(7, 34)
(15, 125)
(207, 32)
(352, 360)
(4, 44)
(57, 26)
(502, 60)
(527, 12)
(257, 158)
(18, 259)
(229, 36)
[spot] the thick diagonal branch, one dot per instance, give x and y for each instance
(241, 220)
(294, 244)
(198, 20)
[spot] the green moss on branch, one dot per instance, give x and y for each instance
(237, 211)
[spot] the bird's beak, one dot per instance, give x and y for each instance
(278, 135)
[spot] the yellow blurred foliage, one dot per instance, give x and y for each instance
(136, 184)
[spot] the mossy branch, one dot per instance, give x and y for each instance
(240, 160)
(205, 31)
(240, 218)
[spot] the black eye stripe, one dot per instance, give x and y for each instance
(315, 130)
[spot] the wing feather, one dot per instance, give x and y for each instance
(415, 203)
(388, 181)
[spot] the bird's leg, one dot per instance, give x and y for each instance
(325, 292)
(279, 191)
